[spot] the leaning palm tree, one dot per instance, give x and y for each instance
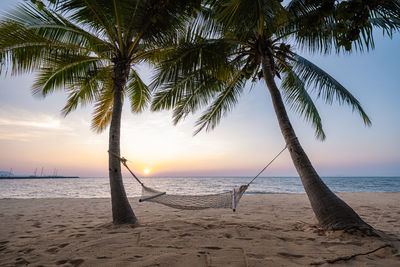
(91, 49)
(235, 42)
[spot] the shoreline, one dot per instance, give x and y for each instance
(266, 230)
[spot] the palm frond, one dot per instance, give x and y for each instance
(103, 110)
(326, 86)
(366, 39)
(224, 102)
(195, 97)
(63, 71)
(22, 49)
(328, 35)
(185, 89)
(96, 15)
(194, 62)
(138, 92)
(159, 20)
(300, 101)
(53, 26)
(193, 56)
(28, 47)
(87, 89)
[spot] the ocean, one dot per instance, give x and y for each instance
(99, 187)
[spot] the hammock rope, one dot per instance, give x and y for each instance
(266, 166)
(228, 199)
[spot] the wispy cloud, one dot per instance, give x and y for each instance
(12, 136)
(49, 123)
(22, 125)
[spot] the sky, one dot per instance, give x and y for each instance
(34, 134)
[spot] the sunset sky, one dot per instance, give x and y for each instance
(34, 134)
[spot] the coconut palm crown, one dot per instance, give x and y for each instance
(91, 50)
(235, 42)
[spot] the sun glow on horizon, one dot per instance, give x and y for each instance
(146, 171)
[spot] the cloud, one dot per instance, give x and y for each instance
(23, 125)
(12, 136)
(45, 122)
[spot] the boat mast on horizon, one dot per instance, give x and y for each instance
(11, 175)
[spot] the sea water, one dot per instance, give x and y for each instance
(99, 187)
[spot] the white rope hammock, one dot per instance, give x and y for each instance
(229, 199)
(194, 202)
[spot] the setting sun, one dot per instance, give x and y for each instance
(146, 171)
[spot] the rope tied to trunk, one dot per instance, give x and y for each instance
(123, 161)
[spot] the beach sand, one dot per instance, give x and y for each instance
(266, 230)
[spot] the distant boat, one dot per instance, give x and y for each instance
(5, 174)
(10, 175)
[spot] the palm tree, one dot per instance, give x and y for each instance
(234, 42)
(91, 49)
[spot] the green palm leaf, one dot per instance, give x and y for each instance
(326, 37)
(326, 86)
(87, 88)
(300, 101)
(94, 14)
(21, 49)
(64, 71)
(196, 97)
(103, 110)
(224, 102)
(138, 92)
(194, 65)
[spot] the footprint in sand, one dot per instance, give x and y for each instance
(285, 238)
(76, 235)
(244, 238)
(21, 261)
(185, 234)
(290, 255)
(26, 236)
(210, 226)
(102, 257)
(63, 245)
(256, 256)
(227, 235)
(75, 263)
(59, 226)
(18, 216)
(53, 250)
(331, 244)
(213, 248)
(3, 245)
(26, 250)
(37, 225)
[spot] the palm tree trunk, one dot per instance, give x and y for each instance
(332, 213)
(121, 209)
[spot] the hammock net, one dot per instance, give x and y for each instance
(194, 202)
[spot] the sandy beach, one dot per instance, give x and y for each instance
(266, 230)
